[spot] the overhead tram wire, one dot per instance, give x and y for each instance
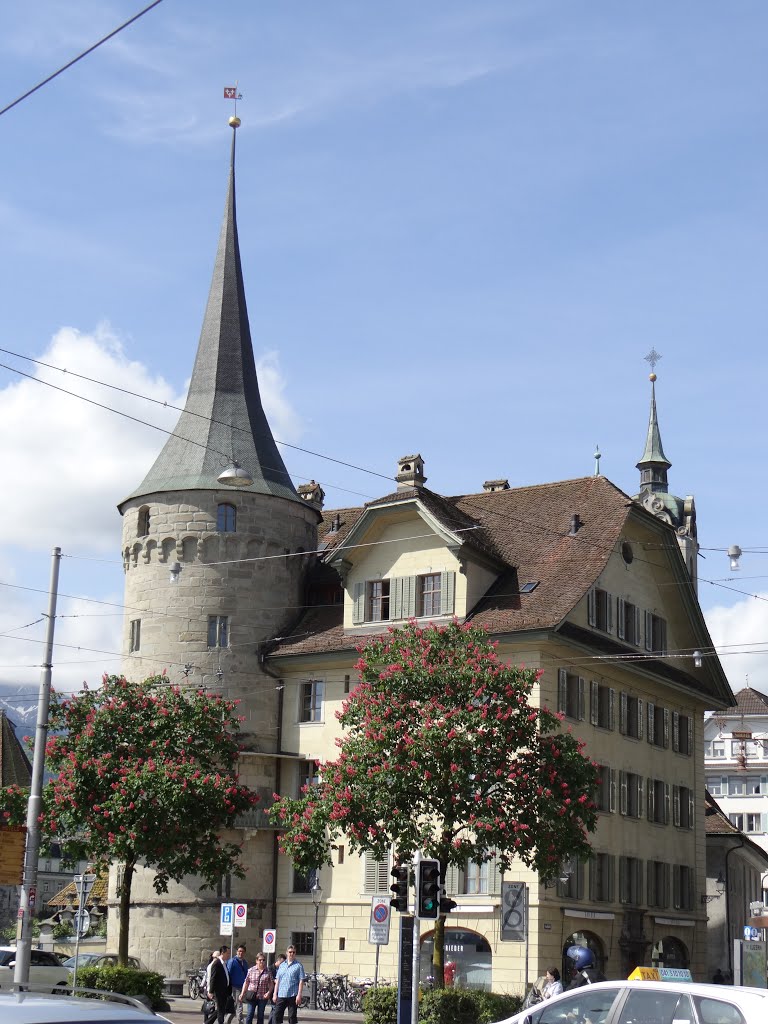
(199, 415)
(79, 57)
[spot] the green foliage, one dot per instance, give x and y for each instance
(142, 771)
(443, 1006)
(63, 930)
(380, 1005)
(125, 980)
(466, 1006)
(443, 752)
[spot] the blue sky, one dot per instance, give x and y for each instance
(463, 225)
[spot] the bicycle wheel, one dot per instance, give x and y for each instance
(354, 1000)
(324, 1000)
(194, 987)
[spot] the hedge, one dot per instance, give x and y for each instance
(443, 1006)
(126, 980)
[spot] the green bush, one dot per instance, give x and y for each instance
(125, 980)
(443, 1006)
(380, 1005)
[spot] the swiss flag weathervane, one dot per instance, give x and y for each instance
(231, 93)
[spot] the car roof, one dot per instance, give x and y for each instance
(35, 1008)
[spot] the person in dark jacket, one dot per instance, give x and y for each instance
(584, 970)
(219, 989)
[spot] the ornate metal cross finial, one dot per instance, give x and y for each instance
(231, 92)
(653, 357)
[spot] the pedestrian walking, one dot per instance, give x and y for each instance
(289, 984)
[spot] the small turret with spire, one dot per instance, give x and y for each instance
(654, 494)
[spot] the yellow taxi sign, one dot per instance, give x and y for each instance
(661, 974)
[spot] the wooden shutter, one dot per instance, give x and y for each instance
(691, 808)
(591, 608)
(666, 803)
(623, 880)
(494, 877)
(675, 730)
(608, 613)
(623, 713)
(639, 719)
(651, 884)
(396, 597)
(621, 605)
(648, 631)
(358, 609)
(638, 871)
(611, 709)
(447, 592)
(452, 880)
(651, 722)
(594, 701)
(582, 699)
(689, 751)
(651, 800)
(376, 875)
(666, 728)
(613, 790)
(609, 871)
(640, 795)
(622, 792)
(562, 690)
(636, 639)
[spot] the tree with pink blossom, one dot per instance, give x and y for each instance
(443, 751)
(141, 773)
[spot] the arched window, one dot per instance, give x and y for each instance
(143, 527)
(226, 518)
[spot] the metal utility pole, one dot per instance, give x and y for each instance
(34, 806)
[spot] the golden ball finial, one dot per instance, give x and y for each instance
(652, 377)
(234, 122)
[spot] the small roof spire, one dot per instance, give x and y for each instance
(223, 422)
(653, 464)
(597, 456)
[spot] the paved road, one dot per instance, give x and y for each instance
(187, 1011)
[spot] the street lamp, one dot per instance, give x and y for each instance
(317, 893)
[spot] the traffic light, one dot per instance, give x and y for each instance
(400, 873)
(446, 905)
(428, 889)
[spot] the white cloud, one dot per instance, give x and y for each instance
(740, 634)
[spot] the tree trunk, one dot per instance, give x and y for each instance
(125, 911)
(438, 953)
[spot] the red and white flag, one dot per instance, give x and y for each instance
(231, 93)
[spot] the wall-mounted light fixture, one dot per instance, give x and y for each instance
(720, 883)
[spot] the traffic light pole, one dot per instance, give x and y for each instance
(416, 945)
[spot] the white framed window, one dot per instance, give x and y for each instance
(218, 631)
(628, 622)
(404, 597)
(602, 705)
(737, 819)
(307, 775)
(737, 785)
(631, 716)
(377, 601)
(571, 695)
(754, 822)
(476, 877)
(718, 748)
(428, 595)
(311, 701)
(600, 609)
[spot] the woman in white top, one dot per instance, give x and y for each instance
(553, 986)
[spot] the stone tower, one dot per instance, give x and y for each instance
(207, 543)
(655, 495)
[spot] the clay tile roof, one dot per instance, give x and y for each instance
(97, 897)
(526, 528)
(751, 702)
(715, 821)
(14, 763)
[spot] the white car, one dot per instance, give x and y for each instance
(34, 1008)
(46, 971)
(660, 1002)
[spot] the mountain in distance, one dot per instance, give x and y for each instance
(20, 705)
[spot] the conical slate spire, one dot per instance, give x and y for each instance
(653, 464)
(223, 420)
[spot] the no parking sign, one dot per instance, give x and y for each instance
(241, 915)
(269, 940)
(378, 928)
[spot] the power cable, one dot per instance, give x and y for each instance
(80, 56)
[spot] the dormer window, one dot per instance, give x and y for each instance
(428, 595)
(377, 601)
(226, 518)
(143, 525)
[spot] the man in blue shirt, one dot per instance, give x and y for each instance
(289, 985)
(237, 968)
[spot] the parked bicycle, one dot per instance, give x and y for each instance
(337, 994)
(196, 983)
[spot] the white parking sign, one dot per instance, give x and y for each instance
(269, 940)
(241, 915)
(226, 918)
